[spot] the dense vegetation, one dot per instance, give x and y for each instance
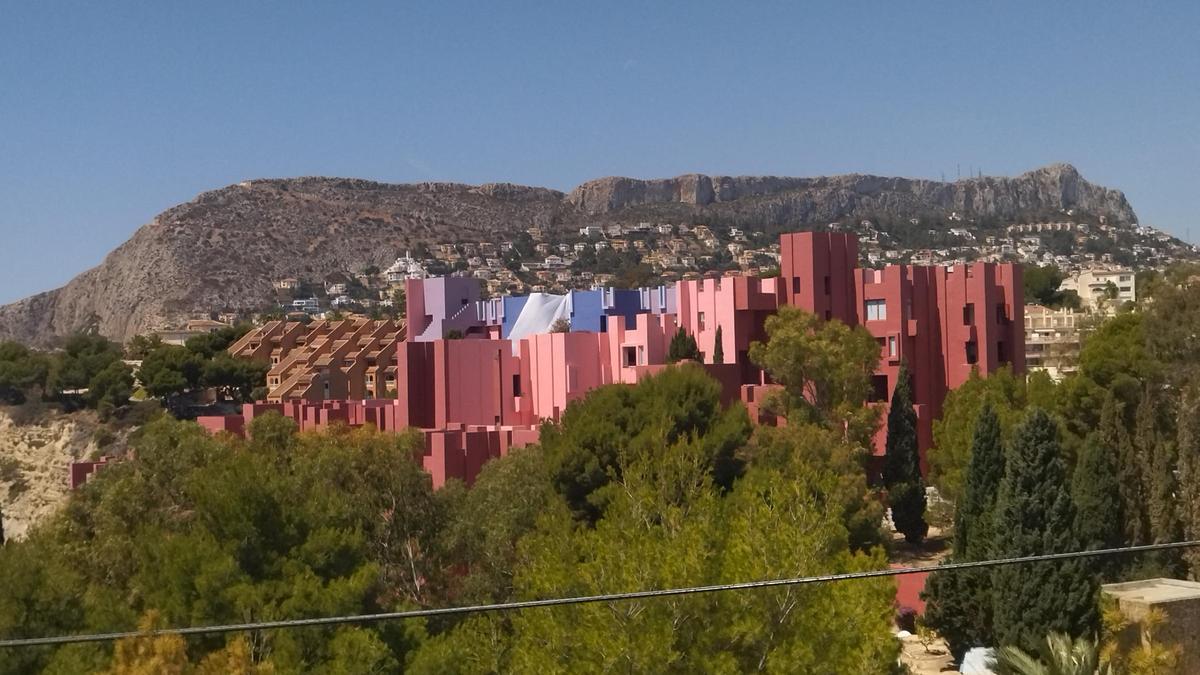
(1107, 457)
(638, 487)
(87, 371)
(91, 371)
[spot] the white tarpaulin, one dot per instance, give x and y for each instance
(540, 312)
(976, 662)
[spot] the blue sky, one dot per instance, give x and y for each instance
(111, 112)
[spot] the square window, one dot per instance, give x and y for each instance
(876, 310)
(879, 388)
(629, 356)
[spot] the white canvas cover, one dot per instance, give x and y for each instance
(538, 315)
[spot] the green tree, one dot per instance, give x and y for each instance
(1118, 347)
(902, 463)
(213, 530)
(1036, 515)
(601, 432)
(682, 347)
(1113, 435)
(807, 446)
(959, 604)
(82, 357)
(974, 532)
(233, 377)
(171, 370)
(1099, 519)
(111, 388)
(671, 525)
(825, 368)
(487, 521)
(954, 431)
(1188, 434)
(1157, 462)
(21, 372)
(139, 346)
(208, 345)
(718, 347)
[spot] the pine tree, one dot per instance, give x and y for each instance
(902, 464)
(1035, 514)
(1129, 475)
(959, 604)
(718, 348)
(1097, 494)
(682, 346)
(1189, 473)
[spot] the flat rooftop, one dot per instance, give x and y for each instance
(1154, 591)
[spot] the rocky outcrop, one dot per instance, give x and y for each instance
(1054, 187)
(35, 457)
(222, 249)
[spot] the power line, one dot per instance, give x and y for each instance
(579, 600)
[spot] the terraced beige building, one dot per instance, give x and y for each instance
(352, 358)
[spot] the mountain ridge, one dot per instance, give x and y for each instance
(223, 248)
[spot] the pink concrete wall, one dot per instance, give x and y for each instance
(738, 305)
(558, 368)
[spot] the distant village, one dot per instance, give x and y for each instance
(1097, 260)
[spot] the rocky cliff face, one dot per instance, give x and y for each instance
(35, 458)
(1052, 187)
(223, 249)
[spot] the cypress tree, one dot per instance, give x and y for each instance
(902, 463)
(1, 526)
(1034, 515)
(959, 604)
(1129, 474)
(985, 470)
(1158, 466)
(719, 348)
(1097, 494)
(1188, 431)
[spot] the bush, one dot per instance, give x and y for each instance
(103, 437)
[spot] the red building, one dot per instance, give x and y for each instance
(943, 321)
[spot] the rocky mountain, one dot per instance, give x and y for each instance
(223, 249)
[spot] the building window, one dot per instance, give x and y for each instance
(893, 346)
(828, 315)
(879, 388)
(969, 314)
(516, 380)
(972, 352)
(629, 356)
(700, 321)
(1001, 352)
(795, 284)
(1125, 289)
(827, 285)
(876, 310)
(1001, 313)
